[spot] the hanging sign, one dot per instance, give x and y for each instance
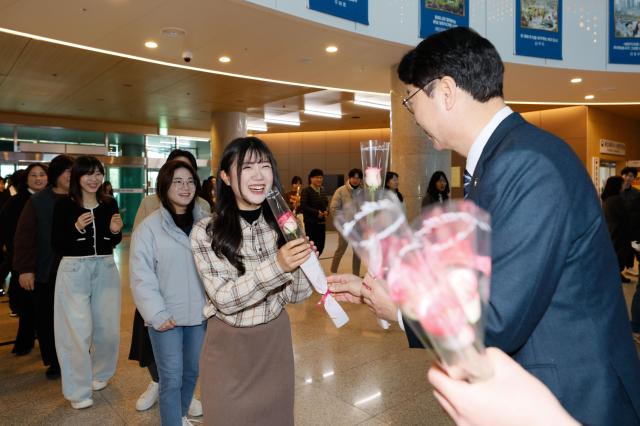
(624, 32)
(352, 10)
(612, 147)
(436, 16)
(539, 28)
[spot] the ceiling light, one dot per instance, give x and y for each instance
(282, 121)
(331, 49)
(576, 80)
(323, 113)
(372, 105)
(224, 59)
(151, 44)
(589, 97)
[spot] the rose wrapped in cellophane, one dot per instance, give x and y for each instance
(425, 289)
(292, 230)
(375, 158)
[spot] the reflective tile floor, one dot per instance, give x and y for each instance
(358, 375)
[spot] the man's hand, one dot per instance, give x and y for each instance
(27, 280)
(375, 295)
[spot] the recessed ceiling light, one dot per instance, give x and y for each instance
(589, 97)
(331, 49)
(151, 44)
(576, 80)
(224, 59)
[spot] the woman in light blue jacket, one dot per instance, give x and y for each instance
(167, 289)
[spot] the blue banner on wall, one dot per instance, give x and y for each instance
(352, 10)
(624, 32)
(436, 16)
(539, 28)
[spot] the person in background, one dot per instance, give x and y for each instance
(141, 349)
(208, 193)
(618, 222)
(314, 205)
(4, 192)
(391, 183)
(36, 180)
(4, 197)
(34, 258)
(438, 189)
(249, 274)
(341, 197)
(86, 228)
(631, 198)
(10, 183)
(292, 197)
(107, 188)
(167, 290)
(20, 178)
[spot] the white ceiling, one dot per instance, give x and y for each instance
(38, 77)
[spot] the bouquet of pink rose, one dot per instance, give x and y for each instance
(311, 267)
(437, 275)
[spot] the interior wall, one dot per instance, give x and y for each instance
(605, 125)
(569, 124)
(335, 152)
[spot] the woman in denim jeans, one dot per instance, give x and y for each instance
(167, 289)
(86, 318)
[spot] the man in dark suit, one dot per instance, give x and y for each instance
(556, 305)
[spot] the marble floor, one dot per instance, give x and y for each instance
(357, 375)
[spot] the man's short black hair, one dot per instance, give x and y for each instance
(460, 53)
(631, 170)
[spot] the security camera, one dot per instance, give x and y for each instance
(187, 56)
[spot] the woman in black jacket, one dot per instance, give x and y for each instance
(32, 180)
(438, 189)
(618, 222)
(86, 228)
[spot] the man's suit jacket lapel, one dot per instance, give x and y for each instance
(492, 147)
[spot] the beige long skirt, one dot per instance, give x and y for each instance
(247, 375)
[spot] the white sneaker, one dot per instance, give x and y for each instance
(186, 422)
(148, 397)
(99, 385)
(195, 408)
(85, 403)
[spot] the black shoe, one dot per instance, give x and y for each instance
(624, 279)
(52, 373)
(21, 352)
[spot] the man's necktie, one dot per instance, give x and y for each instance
(467, 184)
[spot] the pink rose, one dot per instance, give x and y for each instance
(288, 223)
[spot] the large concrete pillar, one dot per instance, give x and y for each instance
(225, 127)
(412, 154)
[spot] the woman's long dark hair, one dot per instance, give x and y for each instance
(164, 182)
(612, 187)
(84, 165)
(433, 191)
(224, 229)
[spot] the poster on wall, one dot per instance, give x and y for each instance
(440, 15)
(351, 10)
(539, 28)
(624, 31)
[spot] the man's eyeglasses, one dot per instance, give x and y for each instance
(405, 101)
(183, 182)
